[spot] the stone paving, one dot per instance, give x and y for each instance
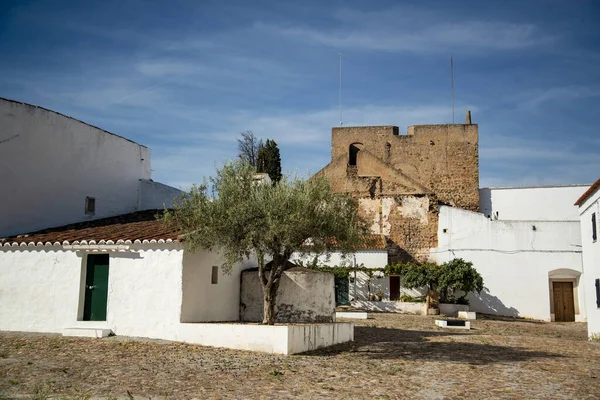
(394, 356)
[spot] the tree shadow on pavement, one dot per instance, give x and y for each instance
(389, 343)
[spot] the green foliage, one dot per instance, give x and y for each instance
(240, 217)
(422, 275)
(269, 160)
(459, 274)
(455, 275)
(412, 299)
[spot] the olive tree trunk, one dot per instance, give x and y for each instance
(270, 280)
(269, 299)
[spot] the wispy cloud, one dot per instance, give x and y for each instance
(404, 30)
(535, 98)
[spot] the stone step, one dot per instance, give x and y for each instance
(87, 332)
(351, 314)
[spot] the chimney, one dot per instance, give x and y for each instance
(468, 121)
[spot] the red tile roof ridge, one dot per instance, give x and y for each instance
(588, 193)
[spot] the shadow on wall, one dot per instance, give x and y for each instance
(487, 303)
(397, 254)
(387, 343)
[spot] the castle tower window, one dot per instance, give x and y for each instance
(353, 153)
(388, 152)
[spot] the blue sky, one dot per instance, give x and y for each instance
(185, 77)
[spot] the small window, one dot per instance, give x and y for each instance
(594, 232)
(90, 205)
(388, 152)
(598, 293)
(353, 153)
(215, 275)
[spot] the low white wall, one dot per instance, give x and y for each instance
(304, 295)
(277, 339)
(391, 306)
(452, 309)
(309, 337)
(515, 260)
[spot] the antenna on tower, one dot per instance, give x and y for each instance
(452, 75)
(341, 120)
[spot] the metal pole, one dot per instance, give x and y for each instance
(452, 74)
(341, 120)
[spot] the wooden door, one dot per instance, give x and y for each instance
(564, 305)
(394, 287)
(96, 288)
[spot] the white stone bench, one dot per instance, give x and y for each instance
(453, 324)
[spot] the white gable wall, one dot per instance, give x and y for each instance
(591, 260)
(50, 163)
(517, 263)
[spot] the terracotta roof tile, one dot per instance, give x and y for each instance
(588, 193)
(138, 226)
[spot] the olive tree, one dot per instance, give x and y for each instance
(240, 217)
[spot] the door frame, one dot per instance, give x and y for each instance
(82, 281)
(576, 308)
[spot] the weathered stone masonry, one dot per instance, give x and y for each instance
(401, 179)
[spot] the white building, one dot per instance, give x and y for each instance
(589, 211)
(371, 254)
(130, 275)
(526, 244)
(57, 170)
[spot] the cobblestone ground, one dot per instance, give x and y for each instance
(394, 356)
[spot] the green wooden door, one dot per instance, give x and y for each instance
(341, 290)
(96, 288)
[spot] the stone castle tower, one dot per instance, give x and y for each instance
(401, 179)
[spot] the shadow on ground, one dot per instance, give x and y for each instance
(390, 343)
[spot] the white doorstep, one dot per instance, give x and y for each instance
(87, 332)
(351, 314)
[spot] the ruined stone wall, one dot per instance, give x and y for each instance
(443, 158)
(409, 223)
(401, 179)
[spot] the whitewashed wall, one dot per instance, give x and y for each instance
(546, 203)
(515, 261)
(591, 260)
(50, 163)
(155, 195)
(204, 301)
(360, 285)
(41, 290)
(369, 259)
(303, 296)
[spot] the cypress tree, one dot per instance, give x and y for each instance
(269, 160)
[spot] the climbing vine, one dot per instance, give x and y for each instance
(452, 276)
